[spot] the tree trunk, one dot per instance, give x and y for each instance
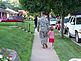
(62, 27)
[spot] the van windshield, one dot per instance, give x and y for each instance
(53, 19)
(66, 20)
(78, 21)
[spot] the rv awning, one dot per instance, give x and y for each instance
(11, 11)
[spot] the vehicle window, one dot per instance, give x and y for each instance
(53, 19)
(66, 20)
(78, 21)
(71, 19)
(74, 20)
(10, 18)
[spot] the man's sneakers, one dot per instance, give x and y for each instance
(45, 46)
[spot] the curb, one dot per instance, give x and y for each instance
(74, 41)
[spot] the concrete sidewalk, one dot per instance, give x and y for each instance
(40, 54)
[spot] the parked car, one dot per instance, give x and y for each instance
(66, 19)
(53, 21)
(12, 19)
(74, 27)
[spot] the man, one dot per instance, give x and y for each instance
(43, 25)
(35, 21)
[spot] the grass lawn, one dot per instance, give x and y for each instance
(17, 39)
(8, 23)
(65, 48)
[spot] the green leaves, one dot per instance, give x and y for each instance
(62, 7)
(67, 6)
(35, 5)
(2, 5)
(13, 6)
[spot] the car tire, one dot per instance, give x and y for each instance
(77, 37)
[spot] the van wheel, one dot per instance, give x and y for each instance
(77, 37)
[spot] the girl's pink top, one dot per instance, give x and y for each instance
(51, 34)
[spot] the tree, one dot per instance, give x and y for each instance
(2, 5)
(5, 5)
(61, 7)
(36, 5)
(64, 7)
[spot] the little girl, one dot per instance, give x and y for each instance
(51, 36)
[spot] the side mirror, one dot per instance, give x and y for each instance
(72, 23)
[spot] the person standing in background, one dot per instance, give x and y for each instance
(35, 21)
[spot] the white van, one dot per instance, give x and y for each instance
(52, 21)
(74, 27)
